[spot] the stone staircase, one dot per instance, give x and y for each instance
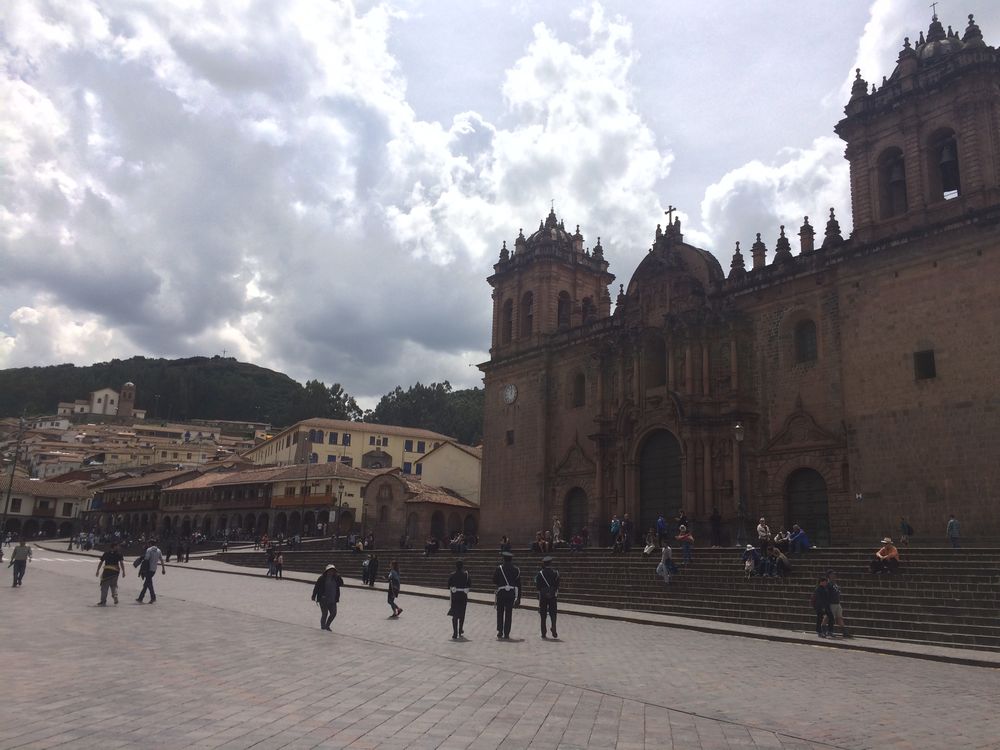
(940, 596)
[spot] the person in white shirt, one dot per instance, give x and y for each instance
(147, 570)
(763, 535)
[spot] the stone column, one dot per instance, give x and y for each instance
(707, 480)
(671, 376)
(737, 485)
(705, 372)
(688, 370)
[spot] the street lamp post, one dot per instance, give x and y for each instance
(739, 434)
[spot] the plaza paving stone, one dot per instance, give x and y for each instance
(227, 661)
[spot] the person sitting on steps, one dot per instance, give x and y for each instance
(886, 559)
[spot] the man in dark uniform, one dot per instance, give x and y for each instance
(507, 579)
(459, 584)
(547, 583)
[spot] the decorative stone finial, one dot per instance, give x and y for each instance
(504, 252)
(598, 250)
(832, 236)
(759, 253)
(806, 237)
(860, 86)
(738, 267)
(973, 36)
(659, 232)
(783, 248)
(935, 32)
(621, 294)
(520, 238)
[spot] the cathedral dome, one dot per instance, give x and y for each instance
(550, 231)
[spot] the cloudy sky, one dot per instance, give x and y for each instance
(322, 187)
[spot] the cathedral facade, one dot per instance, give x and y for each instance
(835, 383)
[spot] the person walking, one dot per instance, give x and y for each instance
(110, 568)
(616, 529)
(19, 557)
(372, 571)
(187, 550)
(271, 554)
(953, 531)
(393, 577)
(459, 585)
(547, 584)
(666, 568)
(836, 607)
(279, 564)
(147, 570)
(507, 579)
(326, 593)
(821, 604)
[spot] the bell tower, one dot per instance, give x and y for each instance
(548, 283)
(921, 146)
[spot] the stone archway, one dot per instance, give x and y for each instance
(49, 527)
(262, 523)
(30, 528)
(294, 523)
(660, 488)
(345, 523)
(574, 513)
(13, 526)
(412, 527)
(454, 524)
(185, 527)
(808, 505)
(280, 523)
(65, 529)
(470, 528)
(308, 523)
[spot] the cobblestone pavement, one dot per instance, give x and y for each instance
(227, 661)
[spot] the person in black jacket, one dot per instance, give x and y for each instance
(547, 583)
(507, 579)
(459, 584)
(326, 593)
(821, 603)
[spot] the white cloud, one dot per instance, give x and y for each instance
(181, 178)
(758, 197)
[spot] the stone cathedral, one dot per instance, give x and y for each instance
(834, 382)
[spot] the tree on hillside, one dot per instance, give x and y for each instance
(436, 407)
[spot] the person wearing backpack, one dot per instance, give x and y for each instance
(547, 583)
(459, 585)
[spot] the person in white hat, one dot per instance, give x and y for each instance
(326, 593)
(886, 559)
(751, 561)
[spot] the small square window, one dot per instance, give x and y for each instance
(420, 469)
(923, 365)
(371, 440)
(15, 505)
(347, 439)
(332, 437)
(408, 446)
(407, 467)
(510, 437)
(420, 446)
(385, 442)
(331, 459)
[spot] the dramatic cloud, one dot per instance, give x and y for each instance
(189, 179)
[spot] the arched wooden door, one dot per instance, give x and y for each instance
(659, 480)
(805, 492)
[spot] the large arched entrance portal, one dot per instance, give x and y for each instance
(805, 492)
(575, 513)
(659, 480)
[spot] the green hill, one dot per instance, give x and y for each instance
(196, 387)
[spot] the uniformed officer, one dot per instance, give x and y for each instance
(507, 579)
(547, 583)
(459, 584)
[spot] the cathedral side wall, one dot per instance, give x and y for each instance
(925, 448)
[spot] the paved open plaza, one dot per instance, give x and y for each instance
(231, 661)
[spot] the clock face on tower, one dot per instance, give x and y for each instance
(510, 393)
